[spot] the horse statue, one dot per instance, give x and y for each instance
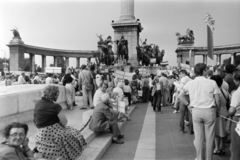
(189, 37)
(158, 54)
(122, 51)
(16, 33)
(142, 56)
(106, 55)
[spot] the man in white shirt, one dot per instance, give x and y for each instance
(49, 79)
(119, 90)
(21, 79)
(204, 103)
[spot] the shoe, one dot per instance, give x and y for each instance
(182, 131)
(175, 111)
(92, 107)
(117, 141)
(216, 151)
(191, 132)
(74, 104)
(83, 108)
(120, 136)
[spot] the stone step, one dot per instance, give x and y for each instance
(98, 146)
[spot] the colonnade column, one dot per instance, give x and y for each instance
(220, 59)
(232, 58)
(67, 62)
(78, 62)
(191, 59)
(43, 63)
(32, 62)
(217, 59)
(205, 59)
(55, 61)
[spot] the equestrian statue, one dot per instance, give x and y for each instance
(16, 34)
(122, 50)
(106, 55)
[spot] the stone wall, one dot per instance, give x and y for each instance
(18, 102)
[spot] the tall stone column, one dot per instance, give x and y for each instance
(127, 10)
(67, 62)
(44, 63)
(78, 62)
(32, 62)
(128, 27)
(55, 61)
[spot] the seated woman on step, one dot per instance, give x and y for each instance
(54, 138)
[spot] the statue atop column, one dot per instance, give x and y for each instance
(186, 39)
(16, 34)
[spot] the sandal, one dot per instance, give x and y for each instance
(223, 151)
(216, 151)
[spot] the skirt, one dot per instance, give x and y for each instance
(60, 141)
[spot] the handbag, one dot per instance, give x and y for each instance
(88, 85)
(224, 110)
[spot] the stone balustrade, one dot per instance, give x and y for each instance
(17, 102)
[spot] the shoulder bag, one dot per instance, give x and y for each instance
(88, 85)
(224, 109)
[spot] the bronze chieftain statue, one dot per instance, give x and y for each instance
(122, 50)
(106, 55)
(16, 33)
(188, 38)
(146, 53)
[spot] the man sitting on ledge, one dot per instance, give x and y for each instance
(102, 120)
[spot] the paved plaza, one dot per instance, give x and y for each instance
(170, 144)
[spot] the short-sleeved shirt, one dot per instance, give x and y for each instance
(85, 77)
(46, 113)
(97, 97)
(235, 100)
(201, 92)
(127, 89)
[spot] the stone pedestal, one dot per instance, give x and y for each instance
(16, 47)
(130, 28)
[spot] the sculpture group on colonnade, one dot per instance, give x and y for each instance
(122, 50)
(149, 54)
(184, 39)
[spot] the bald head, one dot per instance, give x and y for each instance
(105, 98)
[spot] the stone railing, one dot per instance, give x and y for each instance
(17, 102)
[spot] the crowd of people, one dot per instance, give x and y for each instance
(205, 100)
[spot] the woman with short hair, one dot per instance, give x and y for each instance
(54, 138)
(16, 145)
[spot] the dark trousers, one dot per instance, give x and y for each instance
(145, 94)
(128, 95)
(184, 111)
(114, 129)
(157, 100)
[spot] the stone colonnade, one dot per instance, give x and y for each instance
(188, 54)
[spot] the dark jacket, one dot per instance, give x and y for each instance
(11, 153)
(101, 119)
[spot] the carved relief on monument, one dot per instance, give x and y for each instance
(122, 29)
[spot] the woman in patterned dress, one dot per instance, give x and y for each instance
(54, 138)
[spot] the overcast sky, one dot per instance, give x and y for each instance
(64, 24)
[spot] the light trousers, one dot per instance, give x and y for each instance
(87, 97)
(70, 94)
(204, 132)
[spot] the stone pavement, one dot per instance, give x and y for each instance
(169, 143)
